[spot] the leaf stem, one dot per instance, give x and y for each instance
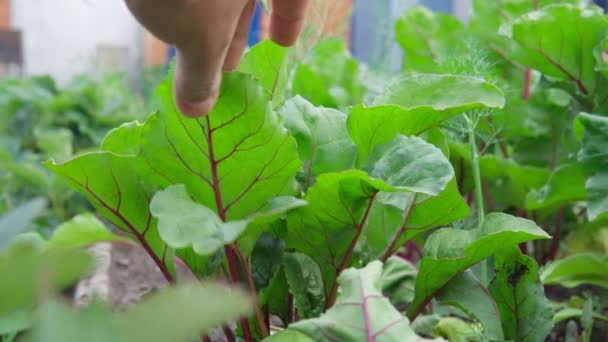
(401, 231)
(478, 189)
(259, 315)
(527, 84)
(234, 274)
(349, 252)
(559, 217)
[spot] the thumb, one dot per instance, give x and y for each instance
(197, 82)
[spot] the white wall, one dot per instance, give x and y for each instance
(62, 37)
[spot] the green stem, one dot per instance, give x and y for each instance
(478, 189)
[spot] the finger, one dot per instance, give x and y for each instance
(199, 62)
(286, 20)
(241, 35)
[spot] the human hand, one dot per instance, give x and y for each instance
(210, 36)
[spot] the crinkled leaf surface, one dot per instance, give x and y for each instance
(112, 186)
(559, 41)
(80, 231)
(267, 63)
(576, 270)
(455, 329)
(306, 283)
(411, 164)
(428, 38)
(328, 76)
(323, 141)
(416, 104)
(361, 313)
(450, 251)
(398, 280)
(469, 295)
(525, 311)
(183, 223)
(233, 160)
(417, 213)
(594, 158)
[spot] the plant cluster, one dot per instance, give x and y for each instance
(420, 214)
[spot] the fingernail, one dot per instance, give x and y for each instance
(197, 108)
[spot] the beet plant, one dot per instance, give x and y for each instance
(433, 210)
(303, 204)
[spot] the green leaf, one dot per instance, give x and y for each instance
(489, 16)
(565, 186)
(558, 40)
(57, 322)
(569, 313)
(111, 185)
(526, 313)
(183, 223)
(509, 181)
(428, 38)
(305, 282)
(398, 280)
(123, 140)
(340, 204)
(80, 231)
(275, 296)
(469, 295)
(338, 209)
(233, 160)
(174, 314)
(576, 270)
(388, 216)
(415, 104)
(184, 312)
(56, 143)
(266, 259)
(328, 76)
(450, 251)
(26, 273)
(411, 164)
(361, 313)
(457, 330)
(267, 63)
(28, 173)
(288, 335)
(19, 219)
(15, 322)
(594, 158)
(323, 141)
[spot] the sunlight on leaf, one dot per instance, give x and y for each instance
(416, 104)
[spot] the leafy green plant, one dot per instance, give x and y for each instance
(422, 213)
